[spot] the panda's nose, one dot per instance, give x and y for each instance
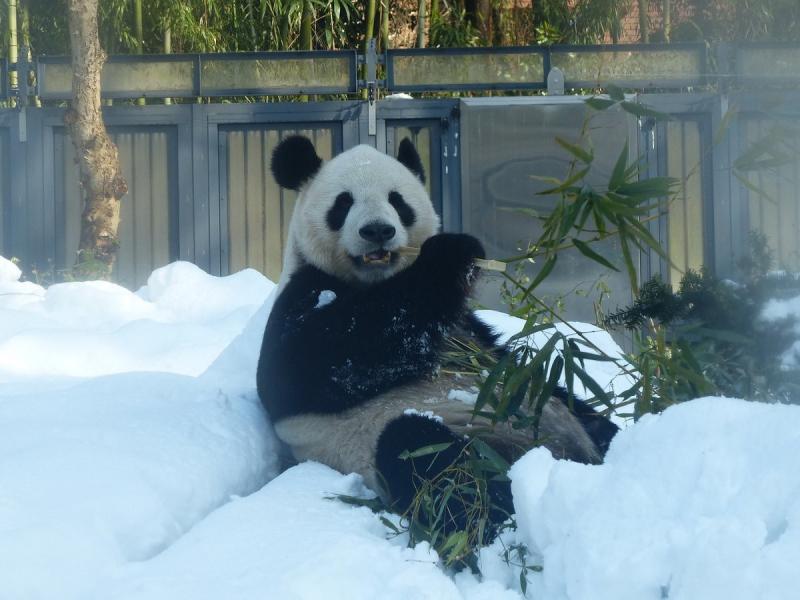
(377, 232)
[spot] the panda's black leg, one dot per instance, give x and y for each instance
(599, 428)
(405, 477)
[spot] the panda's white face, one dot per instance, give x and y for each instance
(356, 212)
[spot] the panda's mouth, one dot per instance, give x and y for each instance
(376, 258)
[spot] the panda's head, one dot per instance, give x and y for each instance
(355, 211)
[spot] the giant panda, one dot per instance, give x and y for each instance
(349, 370)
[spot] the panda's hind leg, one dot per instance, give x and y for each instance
(405, 476)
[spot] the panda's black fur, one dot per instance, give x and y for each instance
(356, 361)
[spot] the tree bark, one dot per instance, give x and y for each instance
(100, 175)
(644, 25)
(13, 44)
(421, 24)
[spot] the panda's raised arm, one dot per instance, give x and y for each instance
(360, 341)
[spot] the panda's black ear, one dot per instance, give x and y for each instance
(294, 161)
(408, 156)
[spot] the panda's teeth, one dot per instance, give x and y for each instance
(382, 257)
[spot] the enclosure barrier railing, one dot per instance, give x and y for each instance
(634, 66)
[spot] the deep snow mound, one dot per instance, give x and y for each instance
(702, 501)
(178, 323)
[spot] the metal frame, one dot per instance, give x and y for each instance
(371, 57)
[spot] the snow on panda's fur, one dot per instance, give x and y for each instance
(349, 365)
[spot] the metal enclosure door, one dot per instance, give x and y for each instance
(433, 127)
(506, 144)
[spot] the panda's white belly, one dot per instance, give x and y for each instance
(348, 441)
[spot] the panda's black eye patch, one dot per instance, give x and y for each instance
(338, 212)
(406, 213)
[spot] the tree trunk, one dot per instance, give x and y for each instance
(13, 44)
(644, 27)
(483, 10)
(306, 26)
(433, 20)
(101, 178)
(167, 49)
(667, 11)
(421, 24)
(139, 30)
(385, 24)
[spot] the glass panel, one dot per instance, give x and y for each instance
(628, 65)
(415, 71)
(259, 211)
(774, 204)
(685, 211)
(504, 148)
(777, 63)
(307, 74)
(134, 78)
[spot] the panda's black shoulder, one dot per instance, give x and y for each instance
(303, 289)
(485, 334)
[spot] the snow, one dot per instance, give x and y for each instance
(325, 298)
(611, 376)
(779, 310)
(700, 502)
(136, 462)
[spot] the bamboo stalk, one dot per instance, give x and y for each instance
(488, 264)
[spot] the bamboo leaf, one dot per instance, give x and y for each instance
(425, 450)
(600, 103)
(586, 250)
(547, 267)
(594, 387)
(615, 92)
(566, 184)
(618, 174)
(578, 152)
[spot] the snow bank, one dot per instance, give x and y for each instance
(178, 323)
(127, 484)
(700, 502)
(288, 541)
(779, 310)
(97, 473)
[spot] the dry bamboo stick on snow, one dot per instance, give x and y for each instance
(488, 264)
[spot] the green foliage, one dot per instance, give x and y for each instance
(579, 22)
(458, 495)
(452, 29)
(709, 337)
(583, 214)
(737, 20)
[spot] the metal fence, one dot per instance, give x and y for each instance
(200, 188)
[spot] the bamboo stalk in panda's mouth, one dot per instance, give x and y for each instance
(488, 264)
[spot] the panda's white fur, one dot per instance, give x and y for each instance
(369, 176)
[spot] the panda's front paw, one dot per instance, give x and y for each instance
(452, 253)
